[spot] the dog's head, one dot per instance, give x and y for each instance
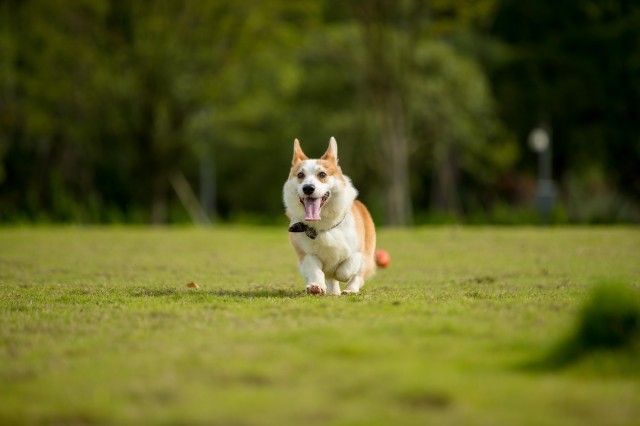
(313, 182)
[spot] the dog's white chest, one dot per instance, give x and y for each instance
(331, 247)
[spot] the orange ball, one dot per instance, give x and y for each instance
(382, 258)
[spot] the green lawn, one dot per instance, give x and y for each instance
(98, 326)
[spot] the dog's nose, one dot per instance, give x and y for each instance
(308, 189)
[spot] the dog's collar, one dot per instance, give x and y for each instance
(310, 231)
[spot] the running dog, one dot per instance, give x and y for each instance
(331, 232)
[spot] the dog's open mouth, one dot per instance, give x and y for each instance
(312, 206)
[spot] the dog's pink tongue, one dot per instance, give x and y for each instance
(312, 208)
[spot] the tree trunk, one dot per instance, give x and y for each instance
(395, 148)
(444, 190)
(388, 48)
(159, 213)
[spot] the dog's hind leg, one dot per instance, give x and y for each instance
(333, 287)
(354, 285)
(311, 269)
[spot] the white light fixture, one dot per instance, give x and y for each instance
(539, 140)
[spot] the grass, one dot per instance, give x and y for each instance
(98, 327)
(608, 322)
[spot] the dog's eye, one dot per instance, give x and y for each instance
(322, 175)
(300, 175)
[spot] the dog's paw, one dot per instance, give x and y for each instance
(315, 289)
(350, 291)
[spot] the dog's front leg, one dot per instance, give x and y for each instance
(349, 272)
(311, 269)
(353, 286)
(349, 268)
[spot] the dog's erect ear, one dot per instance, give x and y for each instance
(298, 155)
(332, 151)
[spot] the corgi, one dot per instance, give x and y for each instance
(332, 232)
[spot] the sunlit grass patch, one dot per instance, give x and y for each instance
(99, 326)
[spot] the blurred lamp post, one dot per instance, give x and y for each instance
(540, 142)
(202, 132)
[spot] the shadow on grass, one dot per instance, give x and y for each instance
(224, 293)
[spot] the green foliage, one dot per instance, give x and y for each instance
(455, 121)
(581, 77)
(113, 97)
(102, 101)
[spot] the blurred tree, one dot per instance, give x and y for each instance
(390, 31)
(575, 65)
(428, 94)
(453, 109)
(99, 98)
(52, 92)
(192, 59)
(102, 102)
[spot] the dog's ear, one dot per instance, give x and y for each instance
(332, 151)
(298, 155)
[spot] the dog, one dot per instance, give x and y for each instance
(332, 232)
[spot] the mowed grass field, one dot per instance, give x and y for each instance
(99, 327)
